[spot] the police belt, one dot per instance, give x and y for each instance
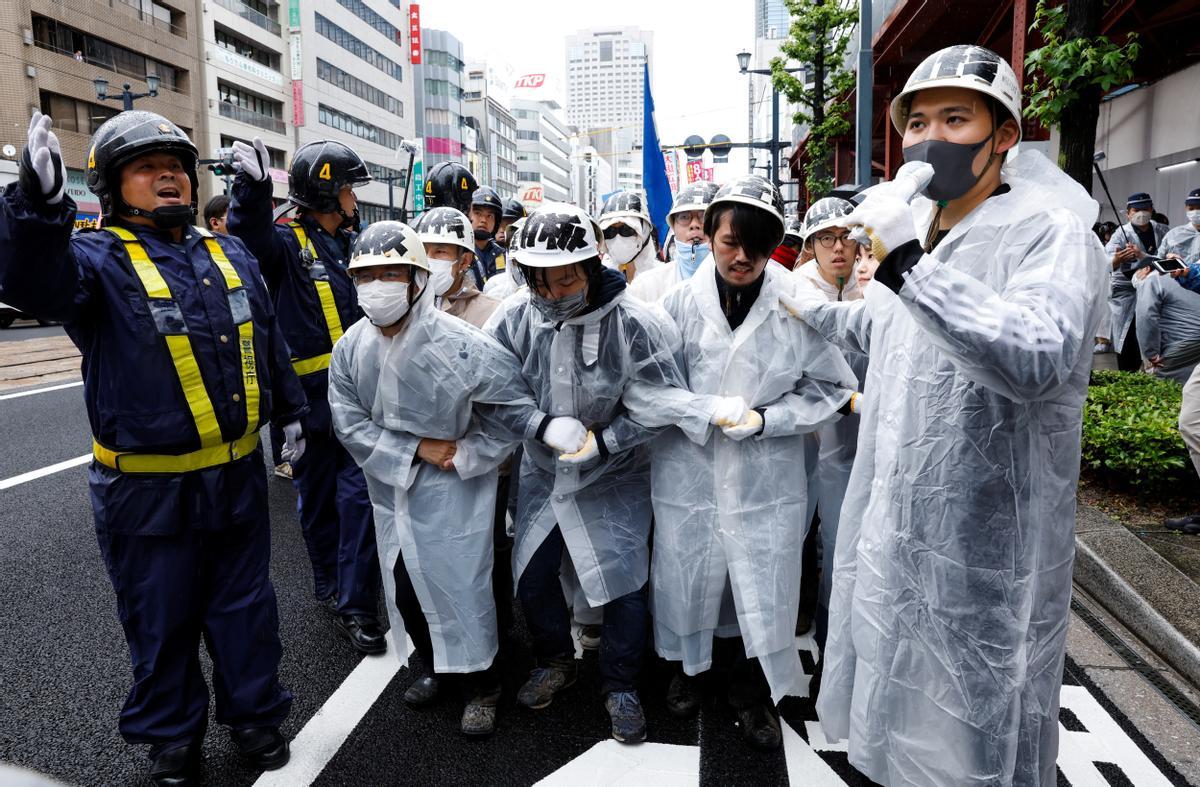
(320, 280)
(213, 456)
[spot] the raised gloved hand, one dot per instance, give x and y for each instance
(749, 426)
(590, 450)
(884, 220)
(293, 443)
(565, 435)
(252, 161)
(43, 175)
(730, 410)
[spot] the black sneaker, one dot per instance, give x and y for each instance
(628, 721)
(1189, 525)
(545, 682)
(422, 692)
(760, 728)
(683, 696)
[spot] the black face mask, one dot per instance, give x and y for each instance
(350, 221)
(484, 235)
(951, 161)
(167, 217)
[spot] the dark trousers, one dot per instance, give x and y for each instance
(1130, 357)
(276, 446)
(171, 590)
(810, 580)
(483, 683)
(339, 531)
(502, 545)
(622, 638)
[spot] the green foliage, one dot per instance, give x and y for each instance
(1062, 70)
(1130, 433)
(818, 27)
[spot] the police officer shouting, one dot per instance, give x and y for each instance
(304, 263)
(182, 363)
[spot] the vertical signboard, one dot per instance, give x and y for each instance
(418, 178)
(297, 63)
(414, 34)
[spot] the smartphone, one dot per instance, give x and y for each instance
(1167, 266)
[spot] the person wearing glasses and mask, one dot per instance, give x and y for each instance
(959, 518)
(691, 246)
(1137, 238)
(628, 238)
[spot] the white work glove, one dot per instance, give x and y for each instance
(43, 175)
(800, 303)
(751, 425)
(884, 220)
(589, 451)
(565, 435)
(730, 411)
(252, 161)
(293, 443)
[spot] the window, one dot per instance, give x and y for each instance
(352, 125)
(355, 86)
(440, 87)
(535, 177)
(436, 57)
(369, 212)
(357, 48)
(440, 117)
(363, 12)
(274, 154)
(70, 114)
(606, 50)
(528, 135)
(378, 171)
(247, 100)
(57, 37)
(234, 43)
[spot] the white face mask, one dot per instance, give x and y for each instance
(384, 302)
(1193, 217)
(441, 276)
(1141, 218)
(622, 250)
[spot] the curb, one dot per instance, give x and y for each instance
(1129, 606)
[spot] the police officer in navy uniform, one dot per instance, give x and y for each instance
(182, 363)
(485, 213)
(449, 185)
(304, 263)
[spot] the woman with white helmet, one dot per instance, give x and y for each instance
(729, 506)
(628, 234)
(686, 219)
(952, 575)
(582, 344)
(429, 407)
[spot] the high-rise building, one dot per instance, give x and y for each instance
(484, 105)
(440, 99)
(357, 88)
(605, 91)
(53, 53)
(771, 19)
(771, 24)
(543, 148)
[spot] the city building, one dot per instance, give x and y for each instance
(486, 112)
(55, 50)
(440, 101)
(593, 176)
(771, 23)
(605, 91)
(543, 148)
(356, 86)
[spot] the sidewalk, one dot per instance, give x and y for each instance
(37, 362)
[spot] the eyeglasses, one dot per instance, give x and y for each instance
(828, 240)
(366, 276)
(624, 230)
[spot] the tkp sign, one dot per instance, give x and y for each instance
(531, 80)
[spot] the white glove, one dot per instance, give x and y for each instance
(800, 303)
(884, 220)
(253, 162)
(293, 443)
(565, 435)
(751, 425)
(589, 451)
(730, 411)
(43, 174)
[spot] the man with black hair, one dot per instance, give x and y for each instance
(304, 264)
(214, 213)
(582, 343)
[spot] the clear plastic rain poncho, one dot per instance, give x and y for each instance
(730, 514)
(1183, 240)
(581, 370)
(439, 378)
(1123, 302)
(952, 574)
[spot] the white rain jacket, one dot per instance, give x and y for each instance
(952, 574)
(729, 513)
(439, 378)
(1122, 303)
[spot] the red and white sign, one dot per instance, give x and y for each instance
(531, 80)
(695, 171)
(672, 171)
(414, 34)
(530, 194)
(706, 174)
(297, 102)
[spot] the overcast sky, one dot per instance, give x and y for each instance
(695, 80)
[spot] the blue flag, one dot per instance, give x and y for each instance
(654, 169)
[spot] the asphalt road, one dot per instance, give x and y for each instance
(64, 674)
(28, 329)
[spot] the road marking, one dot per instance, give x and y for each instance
(805, 766)
(47, 389)
(610, 763)
(316, 744)
(33, 475)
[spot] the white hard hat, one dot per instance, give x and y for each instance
(823, 214)
(753, 190)
(558, 234)
(388, 243)
(695, 196)
(446, 225)
(963, 65)
(624, 205)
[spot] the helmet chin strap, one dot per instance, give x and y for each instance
(167, 217)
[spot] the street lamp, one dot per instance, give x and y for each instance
(127, 97)
(775, 146)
